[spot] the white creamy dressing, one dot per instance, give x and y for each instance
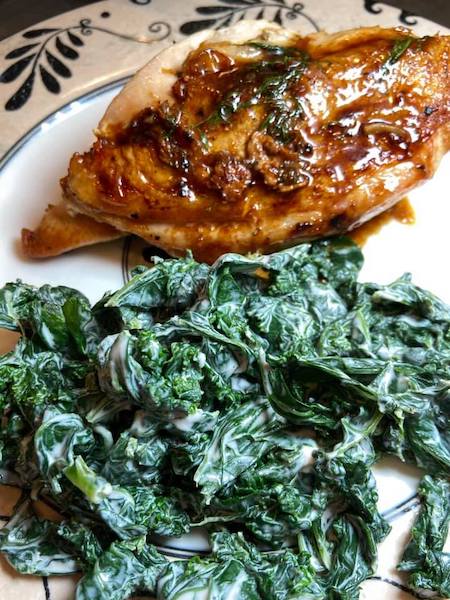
(447, 543)
(201, 359)
(386, 378)
(239, 384)
(47, 334)
(386, 353)
(105, 434)
(154, 346)
(229, 441)
(187, 423)
(234, 591)
(202, 593)
(118, 355)
(61, 565)
(190, 594)
(141, 426)
(333, 303)
(413, 321)
(58, 450)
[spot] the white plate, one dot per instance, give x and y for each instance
(107, 41)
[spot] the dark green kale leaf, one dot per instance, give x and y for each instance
(286, 323)
(128, 511)
(241, 437)
(424, 557)
(346, 470)
(55, 318)
(208, 579)
(152, 294)
(271, 515)
(165, 380)
(138, 455)
(57, 441)
(12, 434)
(31, 380)
(428, 443)
(83, 539)
(279, 575)
(237, 569)
(255, 394)
(124, 568)
(14, 301)
(354, 558)
(295, 393)
(32, 545)
(275, 500)
(189, 438)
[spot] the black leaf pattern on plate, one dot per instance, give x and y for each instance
(20, 51)
(370, 6)
(34, 33)
(194, 26)
(405, 17)
(65, 50)
(212, 10)
(58, 66)
(18, 99)
(400, 586)
(46, 588)
(227, 12)
(402, 508)
(42, 56)
(13, 71)
(75, 39)
(50, 82)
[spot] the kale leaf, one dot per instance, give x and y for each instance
(122, 569)
(424, 557)
(250, 398)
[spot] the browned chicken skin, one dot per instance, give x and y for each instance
(263, 138)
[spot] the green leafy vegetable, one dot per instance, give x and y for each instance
(121, 570)
(424, 556)
(32, 546)
(254, 395)
(239, 440)
(238, 570)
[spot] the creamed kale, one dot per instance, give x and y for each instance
(250, 399)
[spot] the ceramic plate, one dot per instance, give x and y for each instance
(59, 76)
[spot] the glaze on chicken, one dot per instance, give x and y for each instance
(254, 137)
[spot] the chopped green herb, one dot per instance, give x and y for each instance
(399, 48)
(265, 83)
(277, 50)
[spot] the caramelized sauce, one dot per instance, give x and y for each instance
(402, 212)
(240, 124)
(253, 151)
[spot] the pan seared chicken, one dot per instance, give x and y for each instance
(254, 137)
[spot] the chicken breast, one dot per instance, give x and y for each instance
(253, 137)
(59, 231)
